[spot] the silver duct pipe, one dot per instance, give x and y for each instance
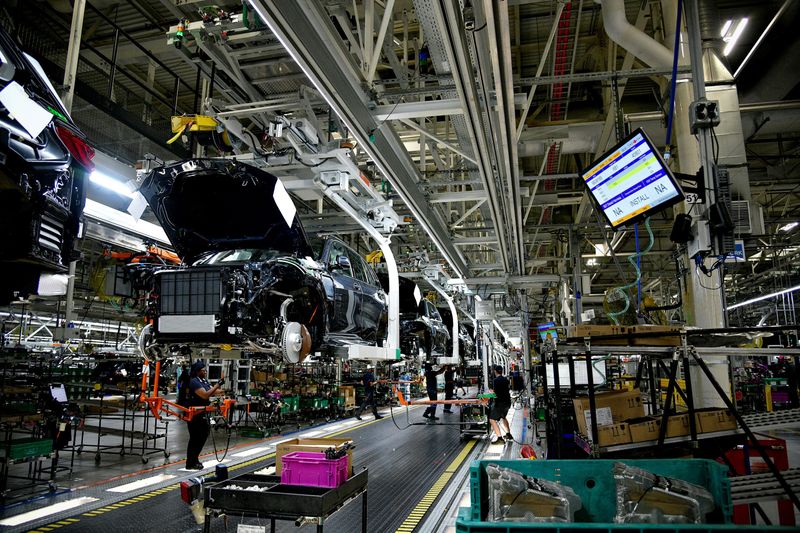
(633, 40)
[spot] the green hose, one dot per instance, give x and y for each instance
(623, 290)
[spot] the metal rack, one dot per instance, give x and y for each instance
(653, 356)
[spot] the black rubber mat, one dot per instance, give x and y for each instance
(402, 465)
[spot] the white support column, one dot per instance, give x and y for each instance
(70, 75)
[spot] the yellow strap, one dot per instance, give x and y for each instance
(178, 135)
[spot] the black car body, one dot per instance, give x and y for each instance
(42, 178)
(253, 280)
(421, 325)
(466, 343)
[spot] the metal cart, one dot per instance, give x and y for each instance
(301, 504)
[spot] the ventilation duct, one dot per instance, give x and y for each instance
(622, 32)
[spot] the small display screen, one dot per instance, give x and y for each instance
(548, 329)
(59, 393)
(631, 181)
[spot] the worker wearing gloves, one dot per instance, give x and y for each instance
(368, 380)
(431, 387)
(500, 406)
(200, 393)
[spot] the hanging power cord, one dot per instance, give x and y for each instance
(623, 290)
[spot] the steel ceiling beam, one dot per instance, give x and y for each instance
(306, 31)
(449, 21)
(432, 108)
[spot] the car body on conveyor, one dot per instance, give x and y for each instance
(253, 280)
(44, 162)
(466, 342)
(421, 326)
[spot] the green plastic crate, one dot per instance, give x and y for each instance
(26, 448)
(593, 480)
(324, 403)
(338, 401)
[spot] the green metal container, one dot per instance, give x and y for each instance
(593, 480)
(465, 524)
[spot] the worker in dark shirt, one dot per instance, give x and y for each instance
(368, 380)
(200, 393)
(432, 388)
(500, 406)
(449, 386)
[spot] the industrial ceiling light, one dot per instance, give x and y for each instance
(789, 227)
(725, 28)
(107, 182)
(731, 36)
(765, 297)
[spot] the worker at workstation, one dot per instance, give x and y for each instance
(449, 386)
(500, 406)
(432, 388)
(200, 394)
(368, 380)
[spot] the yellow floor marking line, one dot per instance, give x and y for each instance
(424, 505)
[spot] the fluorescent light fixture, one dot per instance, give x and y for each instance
(789, 227)
(121, 220)
(726, 27)
(735, 37)
(107, 182)
(765, 297)
(478, 298)
(591, 262)
(455, 281)
(397, 41)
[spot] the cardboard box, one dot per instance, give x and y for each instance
(623, 406)
(258, 376)
(644, 429)
(647, 428)
(629, 334)
(678, 425)
(672, 340)
(613, 434)
(589, 330)
(712, 420)
(311, 445)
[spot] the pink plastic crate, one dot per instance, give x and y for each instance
(312, 469)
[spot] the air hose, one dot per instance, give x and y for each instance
(623, 290)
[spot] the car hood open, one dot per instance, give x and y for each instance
(208, 205)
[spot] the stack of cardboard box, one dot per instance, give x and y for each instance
(621, 419)
(348, 392)
(613, 411)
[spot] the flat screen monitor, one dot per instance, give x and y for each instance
(548, 328)
(59, 393)
(631, 181)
